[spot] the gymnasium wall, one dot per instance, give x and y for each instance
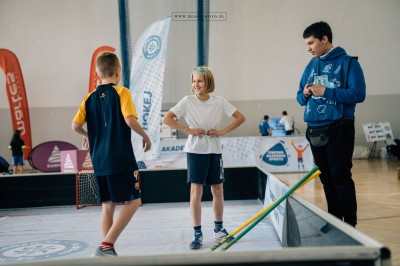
(257, 55)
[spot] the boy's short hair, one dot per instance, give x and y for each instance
(266, 117)
(318, 30)
(106, 64)
(208, 77)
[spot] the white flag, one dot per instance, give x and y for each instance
(146, 84)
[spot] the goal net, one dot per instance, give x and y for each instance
(86, 189)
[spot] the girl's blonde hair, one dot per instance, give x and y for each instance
(208, 77)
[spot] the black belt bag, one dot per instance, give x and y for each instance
(319, 136)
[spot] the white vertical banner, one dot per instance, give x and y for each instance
(273, 191)
(146, 84)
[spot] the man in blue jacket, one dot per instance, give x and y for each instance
(330, 87)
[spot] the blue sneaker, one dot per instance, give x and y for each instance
(221, 234)
(197, 241)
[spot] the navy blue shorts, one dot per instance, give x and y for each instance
(119, 187)
(206, 169)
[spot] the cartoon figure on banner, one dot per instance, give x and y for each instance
(299, 150)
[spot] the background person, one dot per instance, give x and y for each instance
(17, 146)
(110, 115)
(203, 113)
(330, 87)
(264, 127)
(288, 122)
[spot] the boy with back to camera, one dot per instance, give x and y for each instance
(203, 113)
(110, 115)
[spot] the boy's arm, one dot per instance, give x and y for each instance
(304, 92)
(78, 128)
(355, 92)
(132, 122)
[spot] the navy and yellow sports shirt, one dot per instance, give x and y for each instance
(104, 110)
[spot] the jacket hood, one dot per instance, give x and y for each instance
(333, 54)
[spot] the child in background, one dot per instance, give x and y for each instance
(17, 146)
(203, 113)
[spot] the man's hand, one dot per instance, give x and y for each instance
(307, 90)
(317, 90)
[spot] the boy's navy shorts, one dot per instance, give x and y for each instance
(119, 187)
(206, 169)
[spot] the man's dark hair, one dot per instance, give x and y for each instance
(266, 117)
(318, 30)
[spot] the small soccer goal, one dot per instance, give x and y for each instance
(86, 189)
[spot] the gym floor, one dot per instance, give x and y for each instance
(65, 232)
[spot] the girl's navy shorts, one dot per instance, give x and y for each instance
(206, 169)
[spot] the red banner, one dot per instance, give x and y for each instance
(94, 80)
(17, 97)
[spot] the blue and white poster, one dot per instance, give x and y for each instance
(274, 154)
(146, 84)
(284, 154)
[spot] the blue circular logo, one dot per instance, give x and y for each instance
(152, 47)
(39, 250)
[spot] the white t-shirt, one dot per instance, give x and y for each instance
(287, 121)
(205, 115)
